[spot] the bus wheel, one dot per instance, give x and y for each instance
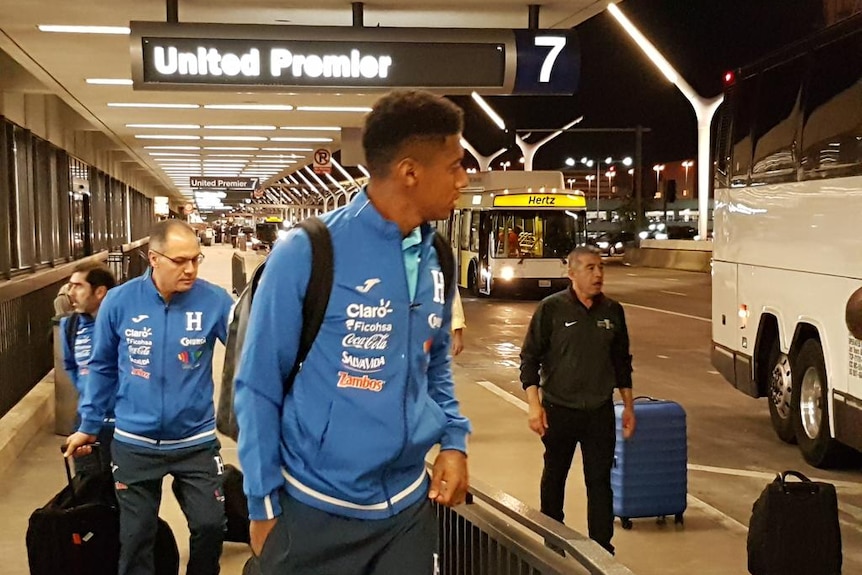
(779, 392)
(811, 407)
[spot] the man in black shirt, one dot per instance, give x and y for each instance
(577, 351)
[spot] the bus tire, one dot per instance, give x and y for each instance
(811, 407)
(779, 392)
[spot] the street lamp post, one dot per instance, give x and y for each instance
(686, 164)
(658, 168)
(505, 164)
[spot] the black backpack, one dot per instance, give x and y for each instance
(313, 311)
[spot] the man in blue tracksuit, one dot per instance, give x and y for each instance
(88, 286)
(335, 472)
(153, 351)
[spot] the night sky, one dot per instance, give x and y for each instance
(620, 88)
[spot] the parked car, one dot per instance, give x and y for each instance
(613, 243)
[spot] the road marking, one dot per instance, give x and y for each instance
(852, 486)
(698, 318)
(673, 292)
(704, 507)
(662, 357)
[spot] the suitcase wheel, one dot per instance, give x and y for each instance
(661, 520)
(678, 520)
(626, 522)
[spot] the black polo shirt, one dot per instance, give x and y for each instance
(577, 354)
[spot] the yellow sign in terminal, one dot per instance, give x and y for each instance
(539, 200)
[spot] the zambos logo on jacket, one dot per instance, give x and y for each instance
(190, 360)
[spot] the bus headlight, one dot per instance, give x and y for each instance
(507, 273)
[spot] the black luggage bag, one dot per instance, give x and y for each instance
(794, 529)
(78, 531)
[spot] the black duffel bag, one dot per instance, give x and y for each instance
(794, 529)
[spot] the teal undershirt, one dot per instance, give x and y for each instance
(410, 247)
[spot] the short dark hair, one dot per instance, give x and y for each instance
(159, 232)
(578, 251)
(96, 274)
(404, 117)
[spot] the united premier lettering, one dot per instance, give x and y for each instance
(358, 310)
(202, 61)
(377, 341)
(363, 363)
(359, 382)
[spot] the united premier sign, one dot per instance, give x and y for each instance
(227, 183)
(219, 56)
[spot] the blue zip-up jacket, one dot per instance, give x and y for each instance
(375, 392)
(156, 358)
(76, 358)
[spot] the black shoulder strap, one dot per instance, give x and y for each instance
(72, 330)
(447, 261)
(316, 293)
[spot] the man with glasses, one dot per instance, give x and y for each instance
(152, 352)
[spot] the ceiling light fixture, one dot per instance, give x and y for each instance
(239, 127)
(165, 126)
(236, 138)
(264, 107)
(152, 105)
(172, 147)
(109, 81)
(169, 155)
(291, 139)
(287, 150)
(119, 30)
(312, 128)
(165, 137)
(362, 109)
(231, 149)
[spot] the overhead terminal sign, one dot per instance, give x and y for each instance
(451, 61)
(539, 201)
(227, 183)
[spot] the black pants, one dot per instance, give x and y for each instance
(197, 472)
(595, 431)
(307, 541)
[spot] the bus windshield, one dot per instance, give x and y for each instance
(536, 233)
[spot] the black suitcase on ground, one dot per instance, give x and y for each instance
(235, 506)
(794, 529)
(78, 531)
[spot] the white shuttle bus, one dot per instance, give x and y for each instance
(512, 231)
(787, 267)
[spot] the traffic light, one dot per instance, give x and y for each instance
(671, 190)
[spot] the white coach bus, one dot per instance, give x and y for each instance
(512, 231)
(787, 264)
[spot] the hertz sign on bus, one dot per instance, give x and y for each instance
(539, 200)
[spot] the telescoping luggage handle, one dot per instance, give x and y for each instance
(96, 449)
(782, 477)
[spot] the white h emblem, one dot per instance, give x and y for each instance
(439, 286)
(194, 320)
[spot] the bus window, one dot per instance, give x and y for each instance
(474, 231)
(774, 132)
(740, 153)
(833, 115)
(464, 231)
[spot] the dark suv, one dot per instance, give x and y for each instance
(613, 243)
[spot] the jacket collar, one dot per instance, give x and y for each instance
(362, 208)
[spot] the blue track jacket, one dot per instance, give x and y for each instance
(156, 358)
(375, 392)
(76, 359)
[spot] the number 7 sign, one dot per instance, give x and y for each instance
(548, 62)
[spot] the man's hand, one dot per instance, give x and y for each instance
(628, 422)
(258, 533)
(78, 444)
(537, 419)
(457, 342)
(449, 481)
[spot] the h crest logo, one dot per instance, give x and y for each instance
(439, 286)
(194, 320)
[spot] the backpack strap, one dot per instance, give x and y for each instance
(447, 262)
(71, 333)
(316, 293)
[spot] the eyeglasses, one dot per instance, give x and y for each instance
(182, 262)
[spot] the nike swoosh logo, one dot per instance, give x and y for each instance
(140, 318)
(570, 323)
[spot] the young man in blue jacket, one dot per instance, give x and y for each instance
(335, 472)
(88, 286)
(153, 351)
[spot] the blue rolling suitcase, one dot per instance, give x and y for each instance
(649, 476)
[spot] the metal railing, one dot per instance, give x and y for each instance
(495, 534)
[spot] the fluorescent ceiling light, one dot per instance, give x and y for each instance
(110, 81)
(152, 105)
(489, 111)
(287, 150)
(281, 139)
(171, 147)
(172, 155)
(312, 128)
(230, 156)
(119, 30)
(232, 149)
(265, 107)
(165, 137)
(362, 109)
(278, 162)
(239, 127)
(165, 126)
(280, 156)
(237, 138)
